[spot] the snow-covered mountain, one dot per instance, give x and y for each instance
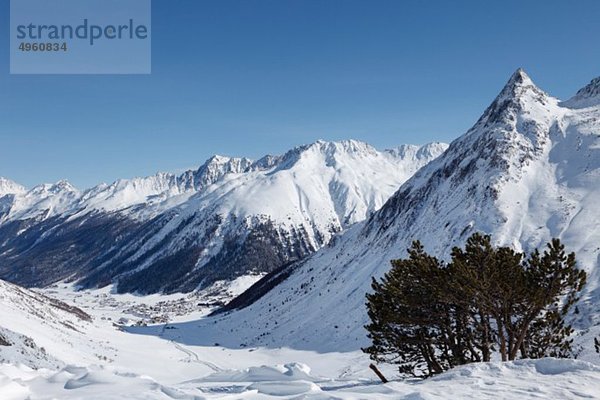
(527, 171)
(231, 217)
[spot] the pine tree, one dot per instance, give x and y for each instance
(414, 323)
(554, 283)
(427, 317)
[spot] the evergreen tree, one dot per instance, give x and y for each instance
(554, 285)
(427, 317)
(406, 315)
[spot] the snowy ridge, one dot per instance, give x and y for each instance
(528, 170)
(147, 197)
(278, 210)
(42, 201)
(151, 195)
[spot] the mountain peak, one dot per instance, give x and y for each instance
(64, 184)
(592, 89)
(9, 187)
(219, 160)
(351, 146)
(587, 96)
(519, 94)
(518, 85)
(520, 78)
(414, 152)
(218, 166)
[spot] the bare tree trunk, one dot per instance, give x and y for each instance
(485, 347)
(502, 339)
(523, 332)
(378, 373)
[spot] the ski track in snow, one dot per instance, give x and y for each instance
(193, 357)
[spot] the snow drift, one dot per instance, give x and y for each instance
(544, 378)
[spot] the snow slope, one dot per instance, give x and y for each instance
(527, 171)
(34, 324)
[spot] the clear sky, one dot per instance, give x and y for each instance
(246, 78)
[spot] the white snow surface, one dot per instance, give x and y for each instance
(528, 379)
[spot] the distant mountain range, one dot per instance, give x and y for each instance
(170, 233)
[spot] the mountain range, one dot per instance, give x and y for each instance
(175, 233)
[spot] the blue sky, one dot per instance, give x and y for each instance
(253, 77)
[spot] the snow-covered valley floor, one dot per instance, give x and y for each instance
(106, 361)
